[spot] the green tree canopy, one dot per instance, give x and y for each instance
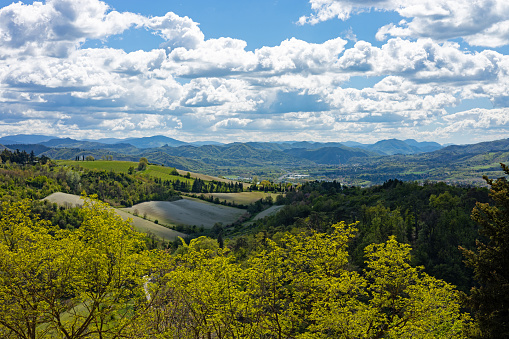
(490, 301)
(69, 284)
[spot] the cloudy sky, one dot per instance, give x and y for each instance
(265, 70)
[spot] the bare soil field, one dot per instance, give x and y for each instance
(140, 224)
(187, 211)
(244, 198)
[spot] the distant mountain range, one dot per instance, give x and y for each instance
(351, 161)
(383, 147)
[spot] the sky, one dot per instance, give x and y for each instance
(265, 70)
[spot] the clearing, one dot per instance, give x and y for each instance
(140, 224)
(187, 211)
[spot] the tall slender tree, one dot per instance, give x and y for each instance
(490, 301)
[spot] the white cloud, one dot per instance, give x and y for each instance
(202, 86)
(480, 23)
(479, 118)
(58, 27)
(177, 31)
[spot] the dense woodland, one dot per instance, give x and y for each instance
(434, 218)
(335, 262)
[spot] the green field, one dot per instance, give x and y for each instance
(155, 171)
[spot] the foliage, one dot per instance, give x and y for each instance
(434, 218)
(21, 157)
(142, 165)
(69, 284)
(300, 287)
(38, 181)
(490, 300)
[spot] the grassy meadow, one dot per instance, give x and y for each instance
(156, 171)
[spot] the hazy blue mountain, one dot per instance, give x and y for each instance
(482, 147)
(237, 154)
(396, 146)
(330, 155)
(424, 146)
(154, 142)
(25, 139)
(269, 146)
(354, 144)
(392, 146)
(36, 148)
(108, 140)
(123, 148)
(204, 143)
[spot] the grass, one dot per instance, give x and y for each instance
(155, 171)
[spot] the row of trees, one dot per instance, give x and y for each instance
(21, 157)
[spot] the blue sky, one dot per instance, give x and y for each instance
(321, 70)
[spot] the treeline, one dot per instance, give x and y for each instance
(200, 186)
(268, 186)
(21, 157)
(434, 218)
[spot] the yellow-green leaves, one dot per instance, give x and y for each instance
(100, 282)
(62, 284)
(302, 286)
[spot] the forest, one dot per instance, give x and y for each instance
(397, 260)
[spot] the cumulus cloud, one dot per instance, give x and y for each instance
(177, 31)
(479, 23)
(57, 27)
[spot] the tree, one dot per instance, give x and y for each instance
(490, 301)
(69, 284)
(142, 165)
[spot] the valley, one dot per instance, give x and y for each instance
(350, 163)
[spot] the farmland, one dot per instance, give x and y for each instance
(156, 171)
(186, 211)
(140, 224)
